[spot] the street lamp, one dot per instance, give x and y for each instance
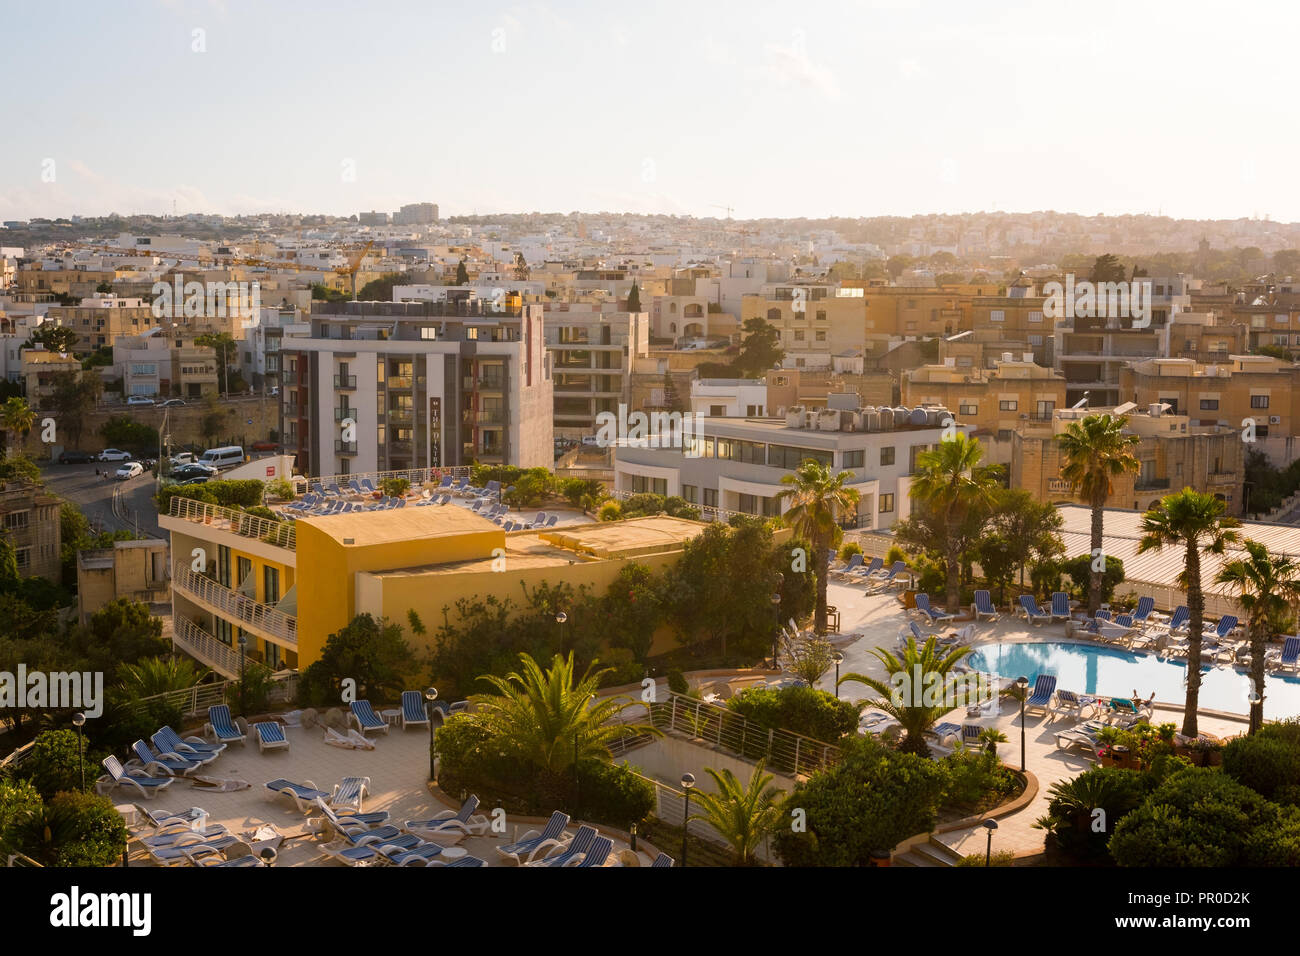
(989, 825)
(688, 781)
(430, 695)
(838, 658)
(79, 721)
(243, 643)
(1022, 684)
(560, 618)
(776, 635)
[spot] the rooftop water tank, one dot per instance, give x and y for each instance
(919, 416)
(886, 418)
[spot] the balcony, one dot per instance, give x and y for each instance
(1151, 484)
(345, 381)
(347, 411)
(345, 447)
(492, 383)
(482, 416)
(262, 619)
(400, 416)
(202, 646)
(277, 533)
(291, 411)
(400, 381)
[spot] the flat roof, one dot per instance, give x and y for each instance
(365, 528)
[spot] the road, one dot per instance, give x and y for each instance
(94, 496)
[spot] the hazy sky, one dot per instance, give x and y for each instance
(876, 107)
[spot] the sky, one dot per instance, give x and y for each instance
(857, 108)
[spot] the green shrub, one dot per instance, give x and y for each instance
(610, 511)
(1075, 829)
(977, 780)
(18, 801)
(52, 765)
(73, 829)
(613, 794)
(849, 549)
(895, 554)
(395, 487)
(677, 682)
(801, 710)
(1266, 764)
(626, 668)
(1080, 571)
(998, 858)
(576, 491)
(280, 488)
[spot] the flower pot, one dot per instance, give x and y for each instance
(880, 858)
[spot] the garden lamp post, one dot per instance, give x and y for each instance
(243, 643)
(838, 658)
(776, 635)
(990, 826)
(1022, 685)
(688, 781)
(79, 721)
(560, 618)
(430, 695)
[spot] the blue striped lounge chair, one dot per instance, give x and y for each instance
(350, 794)
(179, 853)
(270, 736)
(368, 486)
(571, 852)
(983, 606)
(1060, 606)
(358, 846)
(165, 766)
(1289, 656)
(317, 489)
(1225, 626)
(1142, 613)
(1072, 704)
(933, 614)
(365, 717)
(363, 828)
(451, 826)
(598, 853)
(1181, 617)
(855, 561)
(355, 487)
(492, 488)
(883, 583)
(414, 713)
(552, 521)
(662, 862)
(867, 571)
(303, 795)
(222, 726)
(536, 842)
(468, 861)
(333, 489)
(145, 785)
(167, 742)
(445, 482)
(1102, 615)
(1041, 698)
(1032, 611)
(970, 735)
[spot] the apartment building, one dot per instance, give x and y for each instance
(689, 319)
(736, 464)
(909, 311)
(29, 523)
(134, 570)
(101, 320)
(1174, 453)
(993, 401)
(416, 214)
(1013, 322)
(163, 364)
(260, 350)
(40, 370)
(46, 278)
(592, 352)
(383, 563)
(1244, 388)
(1274, 324)
(818, 324)
(422, 384)
(730, 398)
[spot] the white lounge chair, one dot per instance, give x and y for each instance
(143, 784)
(270, 736)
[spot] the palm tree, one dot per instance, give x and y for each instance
(547, 718)
(1095, 451)
(741, 814)
(16, 416)
(819, 501)
(1197, 522)
(158, 675)
(915, 708)
(951, 482)
(1267, 587)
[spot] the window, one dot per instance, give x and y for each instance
(690, 494)
(790, 457)
(1261, 431)
(1035, 316)
(782, 381)
(821, 315)
(997, 315)
(717, 411)
(854, 459)
(968, 408)
(1035, 340)
(887, 455)
(821, 335)
(1008, 405)
(1259, 401)
(643, 485)
(23, 557)
(1045, 409)
(270, 585)
(886, 504)
(798, 335)
(710, 497)
(1209, 404)
(16, 520)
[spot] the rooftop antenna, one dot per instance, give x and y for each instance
(1081, 403)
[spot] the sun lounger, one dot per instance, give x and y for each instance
(945, 730)
(1041, 698)
(143, 784)
(221, 726)
(598, 852)
(1288, 658)
(855, 560)
(866, 572)
(451, 826)
(1072, 704)
(270, 736)
(414, 713)
(662, 862)
(983, 606)
(1227, 624)
(167, 741)
(571, 852)
(535, 842)
(1033, 613)
(1142, 613)
(364, 716)
(166, 766)
(179, 852)
(934, 615)
(350, 793)
(1060, 606)
(303, 795)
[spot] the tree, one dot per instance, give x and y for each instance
(807, 658)
(56, 338)
(897, 265)
(1073, 825)
(741, 813)
(73, 829)
(760, 349)
(73, 399)
(1108, 268)
(16, 418)
(462, 274)
(818, 503)
(367, 650)
(672, 399)
(633, 608)
(1096, 450)
(224, 346)
(950, 481)
(381, 289)
(634, 298)
(1031, 528)
(1266, 587)
(547, 719)
(521, 270)
(159, 675)
(917, 689)
(1198, 523)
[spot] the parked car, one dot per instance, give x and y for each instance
(172, 403)
(130, 470)
(140, 400)
(194, 481)
(265, 445)
(113, 454)
(76, 458)
(195, 470)
(184, 458)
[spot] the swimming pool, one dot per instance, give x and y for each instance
(1089, 669)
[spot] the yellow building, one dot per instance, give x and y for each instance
(41, 368)
(100, 321)
(235, 574)
(995, 400)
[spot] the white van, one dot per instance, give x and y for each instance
(226, 457)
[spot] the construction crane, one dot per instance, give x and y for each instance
(354, 264)
(719, 206)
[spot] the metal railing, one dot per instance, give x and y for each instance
(266, 620)
(345, 447)
(707, 512)
(784, 751)
(345, 381)
(278, 533)
(416, 476)
(202, 646)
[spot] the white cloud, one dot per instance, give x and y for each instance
(790, 65)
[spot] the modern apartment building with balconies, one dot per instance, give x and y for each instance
(592, 353)
(387, 386)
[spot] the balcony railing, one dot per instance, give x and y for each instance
(345, 381)
(400, 416)
(346, 411)
(400, 381)
(278, 533)
(199, 644)
(265, 620)
(1151, 484)
(492, 416)
(345, 447)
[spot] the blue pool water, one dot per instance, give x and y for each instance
(1105, 671)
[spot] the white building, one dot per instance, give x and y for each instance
(729, 397)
